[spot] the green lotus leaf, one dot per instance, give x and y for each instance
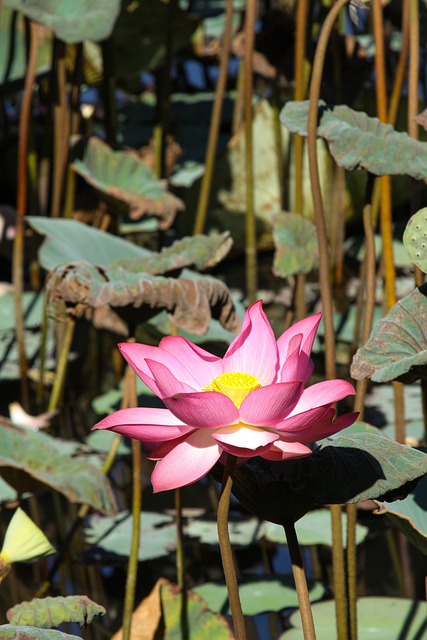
(415, 239)
(258, 594)
(397, 347)
(202, 623)
(46, 613)
(7, 493)
(313, 528)
(32, 633)
(377, 617)
(410, 515)
(113, 534)
(122, 175)
(32, 309)
(71, 21)
(102, 439)
(115, 298)
(295, 239)
(141, 39)
(69, 240)
(30, 459)
(351, 468)
(243, 531)
(357, 141)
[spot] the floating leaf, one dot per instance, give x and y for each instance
(69, 240)
(295, 239)
(313, 528)
(415, 239)
(258, 594)
(46, 613)
(397, 347)
(357, 141)
(410, 515)
(32, 309)
(28, 458)
(113, 534)
(352, 468)
(124, 176)
(32, 633)
(379, 618)
(243, 531)
(202, 623)
(107, 295)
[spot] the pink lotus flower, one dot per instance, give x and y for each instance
(250, 403)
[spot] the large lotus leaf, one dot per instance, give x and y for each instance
(29, 458)
(415, 239)
(32, 633)
(295, 239)
(397, 347)
(410, 515)
(71, 21)
(258, 594)
(348, 469)
(313, 528)
(124, 176)
(243, 531)
(69, 240)
(377, 618)
(46, 613)
(111, 297)
(202, 623)
(357, 141)
(7, 493)
(202, 252)
(113, 534)
(141, 39)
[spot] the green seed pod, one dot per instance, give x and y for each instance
(415, 239)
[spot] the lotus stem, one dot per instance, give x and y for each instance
(319, 214)
(277, 133)
(339, 573)
(180, 564)
(352, 570)
(226, 550)
(18, 246)
(299, 94)
(132, 570)
(205, 187)
(251, 240)
(401, 65)
(300, 583)
(61, 367)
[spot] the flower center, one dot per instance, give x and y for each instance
(235, 385)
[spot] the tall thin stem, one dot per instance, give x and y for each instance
(18, 246)
(205, 188)
(300, 583)
(251, 240)
(352, 570)
(227, 552)
(319, 214)
(132, 569)
(61, 367)
(339, 573)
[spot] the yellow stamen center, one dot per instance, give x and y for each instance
(235, 385)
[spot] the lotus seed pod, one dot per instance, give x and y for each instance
(415, 239)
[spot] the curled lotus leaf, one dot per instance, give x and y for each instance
(115, 299)
(415, 239)
(295, 239)
(71, 21)
(357, 141)
(33, 633)
(200, 251)
(46, 613)
(397, 347)
(409, 515)
(32, 460)
(123, 176)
